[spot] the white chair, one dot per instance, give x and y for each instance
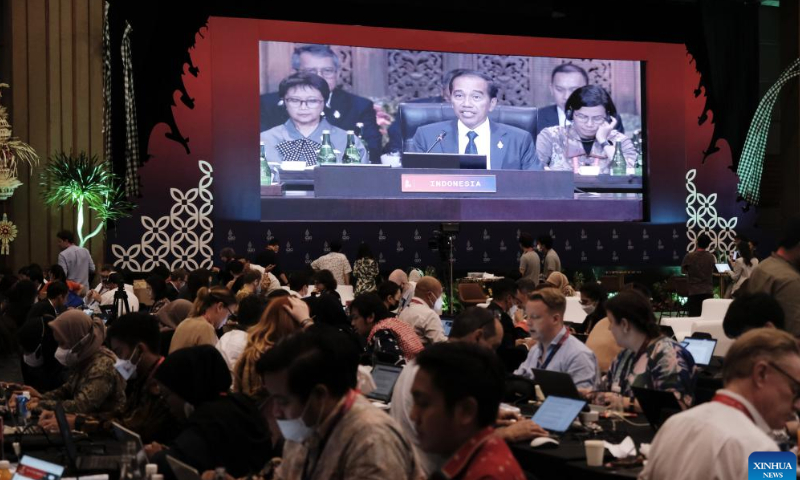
(574, 312)
(714, 328)
(682, 326)
(715, 309)
(346, 292)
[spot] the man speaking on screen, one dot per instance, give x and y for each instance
(473, 95)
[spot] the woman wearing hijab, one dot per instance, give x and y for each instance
(222, 429)
(561, 282)
(93, 384)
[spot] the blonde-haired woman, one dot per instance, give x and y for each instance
(279, 320)
(211, 310)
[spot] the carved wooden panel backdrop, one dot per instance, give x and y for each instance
(391, 76)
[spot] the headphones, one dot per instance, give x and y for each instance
(574, 102)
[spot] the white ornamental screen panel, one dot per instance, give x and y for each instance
(181, 239)
(703, 218)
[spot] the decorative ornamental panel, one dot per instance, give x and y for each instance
(181, 239)
(703, 219)
(599, 71)
(511, 74)
(414, 74)
(346, 69)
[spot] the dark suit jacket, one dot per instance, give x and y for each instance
(517, 152)
(548, 117)
(395, 135)
(41, 308)
(351, 109)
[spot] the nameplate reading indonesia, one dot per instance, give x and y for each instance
(414, 183)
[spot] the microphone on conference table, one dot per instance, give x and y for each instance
(438, 139)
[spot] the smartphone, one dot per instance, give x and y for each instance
(88, 311)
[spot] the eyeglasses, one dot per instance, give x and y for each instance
(579, 117)
(793, 382)
(327, 72)
(309, 102)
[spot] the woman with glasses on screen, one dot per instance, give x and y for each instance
(589, 138)
(300, 137)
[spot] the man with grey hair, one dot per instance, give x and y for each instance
(342, 108)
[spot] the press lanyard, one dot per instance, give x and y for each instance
(629, 364)
(553, 350)
(733, 403)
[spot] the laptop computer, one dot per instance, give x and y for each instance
(557, 384)
(444, 160)
(385, 377)
(87, 463)
(31, 468)
(557, 413)
(181, 470)
(447, 325)
(657, 405)
(722, 267)
(702, 349)
(125, 435)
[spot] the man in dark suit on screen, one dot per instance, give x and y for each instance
(565, 79)
(342, 109)
(473, 96)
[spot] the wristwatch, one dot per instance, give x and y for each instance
(80, 420)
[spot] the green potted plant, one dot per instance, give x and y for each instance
(85, 182)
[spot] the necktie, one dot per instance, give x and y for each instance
(471, 147)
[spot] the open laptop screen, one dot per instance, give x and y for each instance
(557, 413)
(701, 349)
(30, 468)
(385, 377)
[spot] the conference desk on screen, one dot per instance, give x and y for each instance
(376, 192)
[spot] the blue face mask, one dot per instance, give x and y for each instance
(295, 429)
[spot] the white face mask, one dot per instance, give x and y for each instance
(437, 306)
(512, 311)
(126, 368)
(294, 429)
(65, 357)
(34, 359)
(589, 309)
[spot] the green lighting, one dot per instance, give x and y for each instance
(85, 182)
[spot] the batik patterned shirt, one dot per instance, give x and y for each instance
(665, 365)
(558, 147)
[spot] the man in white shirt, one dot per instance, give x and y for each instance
(424, 310)
(556, 350)
(473, 96)
(114, 281)
(761, 373)
(336, 262)
(97, 292)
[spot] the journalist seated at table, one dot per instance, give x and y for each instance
(590, 139)
(648, 359)
(300, 137)
(556, 350)
(473, 95)
(715, 439)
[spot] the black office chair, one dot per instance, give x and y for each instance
(415, 115)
